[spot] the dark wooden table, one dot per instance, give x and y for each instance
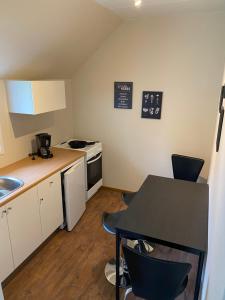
(169, 212)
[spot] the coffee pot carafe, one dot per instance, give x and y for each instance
(43, 145)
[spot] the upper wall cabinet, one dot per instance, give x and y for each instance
(35, 97)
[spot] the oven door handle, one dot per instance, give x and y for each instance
(91, 161)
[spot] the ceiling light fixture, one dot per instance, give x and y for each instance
(137, 3)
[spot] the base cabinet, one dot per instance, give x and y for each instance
(6, 260)
(27, 221)
(51, 210)
(24, 225)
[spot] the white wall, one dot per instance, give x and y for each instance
(18, 131)
(181, 56)
(215, 270)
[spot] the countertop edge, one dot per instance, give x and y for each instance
(28, 186)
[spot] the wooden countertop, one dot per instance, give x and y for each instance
(34, 171)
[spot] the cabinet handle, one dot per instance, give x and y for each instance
(8, 209)
(41, 199)
(4, 212)
(51, 182)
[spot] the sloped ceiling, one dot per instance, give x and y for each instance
(127, 9)
(50, 38)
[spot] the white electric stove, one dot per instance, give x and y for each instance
(93, 164)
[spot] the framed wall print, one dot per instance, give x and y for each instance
(151, 105)
(222, 96)
(123, 94)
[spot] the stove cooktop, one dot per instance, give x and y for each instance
(92, 148)
(77, 144)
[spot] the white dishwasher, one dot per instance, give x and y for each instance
(74, 192)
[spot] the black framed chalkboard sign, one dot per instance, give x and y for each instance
(221, 118)
(222, 97)
(151, 105)
(123, 93)
(219, 130)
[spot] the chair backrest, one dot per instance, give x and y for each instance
(186, 167)
(152, 278)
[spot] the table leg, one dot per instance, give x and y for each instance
(118, 239)
(199, 276)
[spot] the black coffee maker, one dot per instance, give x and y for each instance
(43, 145)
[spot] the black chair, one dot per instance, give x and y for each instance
(186, 167)
(140, 245)
(109, 221)
(127, 197)
(155, 279)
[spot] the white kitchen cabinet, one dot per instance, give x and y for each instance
(35, 97)
(27, 221)
(24, 225)
(51, 210)
(6, 260)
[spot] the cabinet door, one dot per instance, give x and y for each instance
(75, 193)
(48, 95)
(51, 210)
(6, 260)
(35, 97)
(24, 225)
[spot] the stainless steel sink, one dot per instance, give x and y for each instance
(9, 185)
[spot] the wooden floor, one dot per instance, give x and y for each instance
(71, 265)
